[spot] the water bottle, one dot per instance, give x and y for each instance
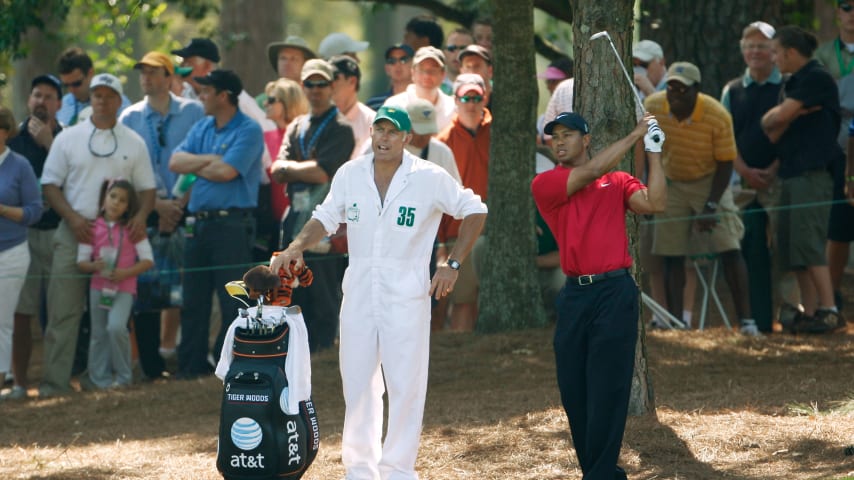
(182, 184)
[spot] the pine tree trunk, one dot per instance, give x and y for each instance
(247, 26)
(604, 97)
(509, 290)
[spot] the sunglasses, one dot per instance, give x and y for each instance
(471, 98)
(454, 48)
(272, 100)
(395, 60)
(316, 83)
(846, 7)
(75, 84)
(161, 135)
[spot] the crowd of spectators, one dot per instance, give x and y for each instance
(224, 179)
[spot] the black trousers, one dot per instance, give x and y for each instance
(218, 252)
(594, 344)
(146, 327)
(321, 302)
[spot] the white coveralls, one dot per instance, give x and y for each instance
(385, 314)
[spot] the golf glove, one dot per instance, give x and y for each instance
(654, 138)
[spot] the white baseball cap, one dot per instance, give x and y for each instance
(338, 43)
(647, 51)
(106, 80)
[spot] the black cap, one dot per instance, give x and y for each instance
(570, 120)
(475, 49)
(346, 65)
(222, 80)
(199, 47)
(400, 46)
(48, 79)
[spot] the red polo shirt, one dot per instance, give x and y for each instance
(590, 225)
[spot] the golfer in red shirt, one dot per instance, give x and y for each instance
(584, 204)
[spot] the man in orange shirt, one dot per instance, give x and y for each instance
(468, 138)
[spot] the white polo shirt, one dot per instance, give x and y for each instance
(82, 157)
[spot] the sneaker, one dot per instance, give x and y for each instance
(16, 393)
(749, 329)
(824, 321)
(790, 315)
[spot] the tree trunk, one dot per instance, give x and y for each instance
(247, 26)
(44, 47)
(705, 34)
(509, 290)
(604, 97)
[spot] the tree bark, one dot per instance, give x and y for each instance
(509, 290)
(247, 26)
(706, 34)
(605, 98)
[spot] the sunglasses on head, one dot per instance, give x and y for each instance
(74, 84)
(316, 83)
(454, 48)
(471, 98)
(395, 60)
(272, 100)
(846, 7)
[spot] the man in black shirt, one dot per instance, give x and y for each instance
(315, 145)
(804, 127)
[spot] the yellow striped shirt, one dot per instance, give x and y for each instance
(693, 147)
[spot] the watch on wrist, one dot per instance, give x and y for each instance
(453, 264)
(710, 205)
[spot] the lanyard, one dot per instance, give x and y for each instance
(844, 67)
(306, 150)
(110, 238)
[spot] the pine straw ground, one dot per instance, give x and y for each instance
(781, 407)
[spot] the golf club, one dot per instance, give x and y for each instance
(604, 33)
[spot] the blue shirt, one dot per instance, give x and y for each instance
(240, 143)
(71, 107)
(18, 188)
(170, 130)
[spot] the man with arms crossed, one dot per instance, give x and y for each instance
(392, 202)
(584, 205)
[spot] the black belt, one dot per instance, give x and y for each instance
(597, 277)
(231, 212)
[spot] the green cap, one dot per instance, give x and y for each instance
(396, 116)
(183, 71)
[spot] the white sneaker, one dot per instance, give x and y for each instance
(748, 328)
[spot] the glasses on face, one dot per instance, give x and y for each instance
(846, 7)
(454, 48)
(471, 98)
(395, 60)
(75, 84)
(272, 100)
(638, 63)
(316, 83)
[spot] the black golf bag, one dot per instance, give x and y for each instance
(257, 438)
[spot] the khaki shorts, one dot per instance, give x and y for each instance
(41, 256)
(675, 231)
(649, 263)
(465, 290)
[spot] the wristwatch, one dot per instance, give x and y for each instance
(713, 206)
(453, 264)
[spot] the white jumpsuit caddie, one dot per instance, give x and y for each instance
(385, 313)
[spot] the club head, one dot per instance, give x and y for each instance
(603, 33)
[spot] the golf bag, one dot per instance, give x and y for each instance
(258, 438)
